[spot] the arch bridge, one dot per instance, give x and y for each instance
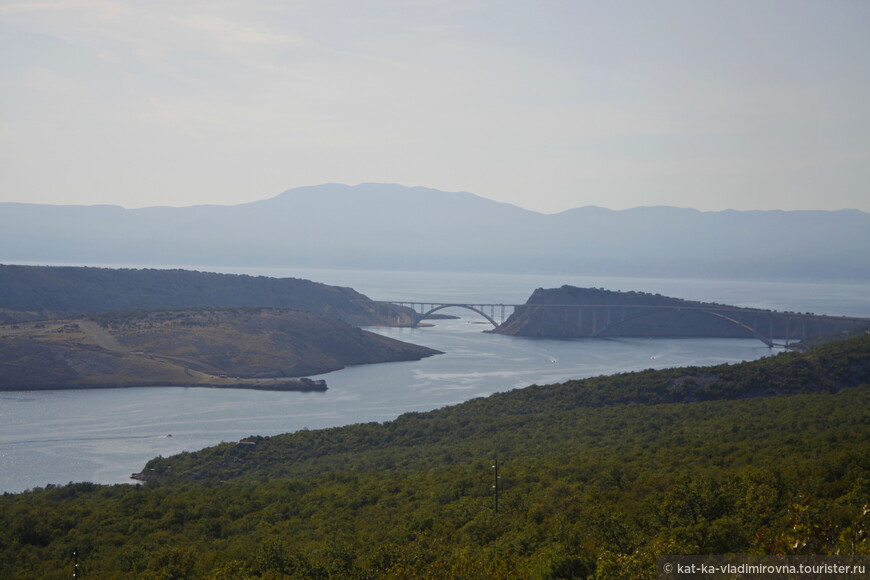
(600, 320)
(495, 314)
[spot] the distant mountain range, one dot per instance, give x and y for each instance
(379, 226)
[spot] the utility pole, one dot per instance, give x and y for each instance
(495, 482)
(75, 563)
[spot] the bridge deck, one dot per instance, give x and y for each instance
(794, 323)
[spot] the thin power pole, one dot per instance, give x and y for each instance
(495, 482)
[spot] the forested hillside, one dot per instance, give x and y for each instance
(598, 476)
(42, 292)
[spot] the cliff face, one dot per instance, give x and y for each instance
(43, 292)
(202, 347)
(571, 312)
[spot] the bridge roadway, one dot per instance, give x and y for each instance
(604, 317)
(424, 310)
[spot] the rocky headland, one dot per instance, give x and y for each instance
(572, 312)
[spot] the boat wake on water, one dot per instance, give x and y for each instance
(68, 439)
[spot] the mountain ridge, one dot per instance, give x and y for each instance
(389, 226)
(420, 188)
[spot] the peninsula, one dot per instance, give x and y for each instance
(255, 348)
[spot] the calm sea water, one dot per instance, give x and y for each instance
(105, 435)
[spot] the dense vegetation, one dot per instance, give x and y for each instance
(597, 477)
(43, 292)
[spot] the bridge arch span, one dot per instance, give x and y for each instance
(755, 333)
(752, 331)
(427, 314)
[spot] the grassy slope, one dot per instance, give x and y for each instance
(592, 483)
(259, 342)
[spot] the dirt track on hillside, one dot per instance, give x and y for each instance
(101, 336)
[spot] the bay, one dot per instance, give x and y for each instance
(104, 435)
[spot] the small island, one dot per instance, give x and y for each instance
(572, 312)
(248, 348)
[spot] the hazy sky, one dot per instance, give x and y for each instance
(545, 104)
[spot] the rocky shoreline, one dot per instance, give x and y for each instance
(299, 385)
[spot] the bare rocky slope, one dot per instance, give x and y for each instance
(244, 347)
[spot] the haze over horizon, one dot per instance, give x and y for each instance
(547, 105)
